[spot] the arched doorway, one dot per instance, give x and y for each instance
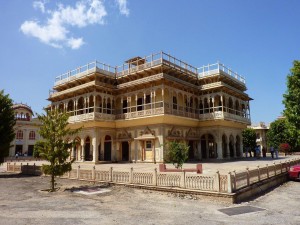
(224, 145)
(231, 146)
(88, 156)
(125, 151)
(191, 151)
(211, 147)
(203, 147)
(107, 148)
(99, 153)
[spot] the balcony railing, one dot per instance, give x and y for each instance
(146, 63)
(84, 70)
(217, 68)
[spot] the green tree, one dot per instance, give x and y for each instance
(177, 153)
(249, 140)
(291, 100)
(278, 133)
(7, 122)
(53, 146)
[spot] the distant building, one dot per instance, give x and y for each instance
(26, 130)
(261, 130)
(129, 112)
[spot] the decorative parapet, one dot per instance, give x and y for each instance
(91, 116)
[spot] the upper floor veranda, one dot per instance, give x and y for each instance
(138, 67)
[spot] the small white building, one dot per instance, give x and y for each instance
(26, 130)
(261, 130)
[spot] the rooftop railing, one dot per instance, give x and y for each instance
(72, 74)
(216, 68)
(145, 63)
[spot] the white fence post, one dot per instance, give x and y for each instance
(218, 188)
(93, 173)
(182, 180)
(111, 174)
(155, 177)
(131, 175)
(229, 180)
(234, 181)
(248, 177)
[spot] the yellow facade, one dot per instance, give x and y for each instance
(129, 112)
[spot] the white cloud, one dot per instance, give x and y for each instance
(123, 7)
(56, 30)
(75, 43)
(39, 5)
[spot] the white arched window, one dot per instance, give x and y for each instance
(31, 135)
(19, 134)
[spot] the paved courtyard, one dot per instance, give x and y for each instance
(23, 202)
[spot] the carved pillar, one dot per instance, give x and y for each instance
(136, 98)
(129, 104)
(144, 102)
(241, 149)
(75, 107)
(221, 100)
(227, 150)
(234, 147)
(82, 151)
(163, 97)
(102, 103)
(119, 151)
(95, 143)
(153, 150)
(94, 98)
(219, 148)
(84, 105)
(199, 150)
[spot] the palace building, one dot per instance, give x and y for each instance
(129, 112)
(26, 130)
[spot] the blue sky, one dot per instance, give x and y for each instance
(42, 39)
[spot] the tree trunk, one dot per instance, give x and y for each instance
(52, 182)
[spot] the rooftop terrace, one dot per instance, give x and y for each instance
(137, 64)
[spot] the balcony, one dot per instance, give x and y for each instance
(91, 117)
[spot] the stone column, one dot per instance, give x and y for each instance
(95, 143)
(129, 104)
(219, 148)
(234, 148)
(199, 150)
(153, 150)
(82, 151)
(118, 151)
(94, 98)
(241, 149)
(75, 107)
(228, 150)
(25, 143)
